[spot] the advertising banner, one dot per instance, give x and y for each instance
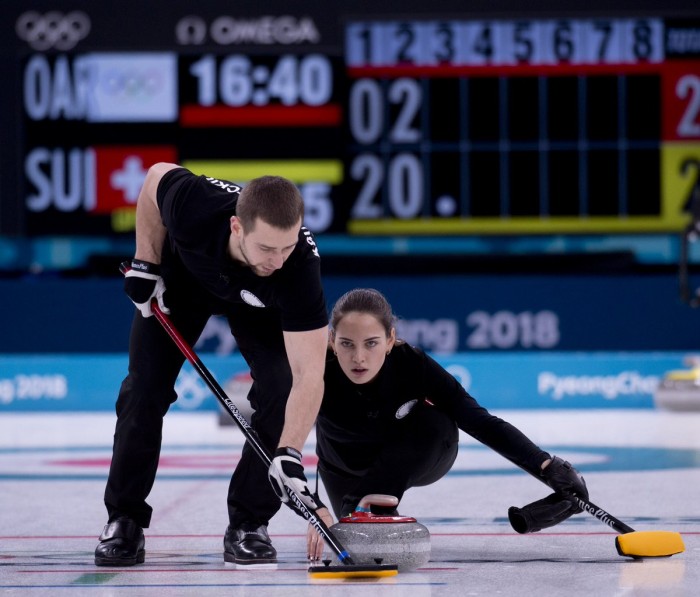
(498, 381)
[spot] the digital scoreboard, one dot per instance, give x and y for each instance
(94, 123)
(520, 126)
(410, 126)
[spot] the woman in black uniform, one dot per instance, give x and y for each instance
(390, 417)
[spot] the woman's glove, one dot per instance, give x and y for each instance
(541, 514)
(565, 480)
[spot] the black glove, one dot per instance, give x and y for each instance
(565, 480)
(541, 514)
(285, 471)
(142, 282)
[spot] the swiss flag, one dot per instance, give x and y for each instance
(120, 172)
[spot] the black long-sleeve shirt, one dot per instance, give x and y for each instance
(196, 212)
(355, 421)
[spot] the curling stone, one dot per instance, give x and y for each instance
(679, 390)
(372, 538)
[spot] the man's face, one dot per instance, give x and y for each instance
(265, 248)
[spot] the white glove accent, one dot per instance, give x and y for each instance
(285, 471)
(157, 292)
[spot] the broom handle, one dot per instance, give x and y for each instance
(251, 436)
(603, 516)
(591, 508)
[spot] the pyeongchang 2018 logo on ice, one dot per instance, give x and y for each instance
(610, 387)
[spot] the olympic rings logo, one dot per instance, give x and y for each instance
(131, 83)
(52, 30)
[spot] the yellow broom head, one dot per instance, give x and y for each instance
(649, 544)
(353, 571)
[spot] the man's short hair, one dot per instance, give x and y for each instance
(273, 199)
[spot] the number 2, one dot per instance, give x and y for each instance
(688, 87)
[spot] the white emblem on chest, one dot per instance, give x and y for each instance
(251, 299)
(406, 408)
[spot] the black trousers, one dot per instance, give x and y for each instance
(422, 454)
(148, 391)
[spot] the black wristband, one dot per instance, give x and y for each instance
(287, 451)
(318, 500)
(145, 266)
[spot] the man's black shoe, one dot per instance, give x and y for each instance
(248, 544)
(121, 544)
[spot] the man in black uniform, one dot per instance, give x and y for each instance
(244, 254)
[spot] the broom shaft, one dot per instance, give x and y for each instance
(251, 436)
(591, 508)
(603, 516)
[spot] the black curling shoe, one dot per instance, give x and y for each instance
(121, 544)
(248, 544)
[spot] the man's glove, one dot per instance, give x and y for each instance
(541, 514)
(565, 480)
(285, 471)
(142, 282)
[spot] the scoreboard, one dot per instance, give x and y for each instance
(400, 125)
(553, 125)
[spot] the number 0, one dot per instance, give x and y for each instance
(366, 119)
(405, 185)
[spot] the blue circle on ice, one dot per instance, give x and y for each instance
(585, 459)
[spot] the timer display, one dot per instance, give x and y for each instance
(240, 90)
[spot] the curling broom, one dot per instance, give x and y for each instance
(631, 543)
(349, 569)
(636, 544)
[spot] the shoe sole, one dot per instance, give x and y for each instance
(115, 562)
(231, 559)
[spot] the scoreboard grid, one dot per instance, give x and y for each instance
(544, 145)
(551, 145)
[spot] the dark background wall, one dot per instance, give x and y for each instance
(610, 287)
(444, 313)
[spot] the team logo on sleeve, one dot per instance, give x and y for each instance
(310, 240)
(229, 187)
(251, 299)
(406, 408)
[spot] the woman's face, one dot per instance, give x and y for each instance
(361, 343)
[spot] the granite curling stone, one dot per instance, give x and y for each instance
(392, 539)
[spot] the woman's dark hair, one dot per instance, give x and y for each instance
(364, 300)
(273, 199)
